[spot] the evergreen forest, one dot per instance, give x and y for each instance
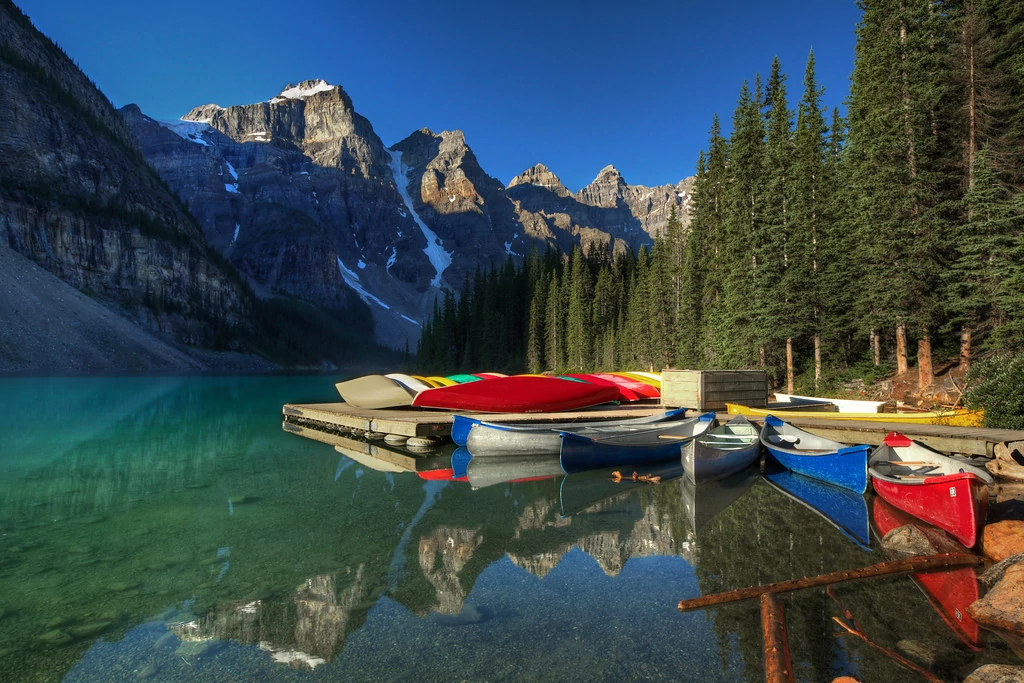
(818, 243)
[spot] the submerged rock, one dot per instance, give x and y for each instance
(911, 540)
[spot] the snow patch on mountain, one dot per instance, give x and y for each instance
(297, 92)
(438, 257)
(352, 280)
(188, 130)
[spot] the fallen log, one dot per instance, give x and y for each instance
(909, 565)
(778, 665)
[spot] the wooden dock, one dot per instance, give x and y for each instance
(338, 418)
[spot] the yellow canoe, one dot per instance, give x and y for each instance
(645, 377)
(442, 381)
(956, 418)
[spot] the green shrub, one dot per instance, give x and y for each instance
(996, 384)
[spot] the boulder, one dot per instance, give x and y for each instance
(994, 574)
(1002, 539)
(911, 540)
(1003, 607)
(996, 673)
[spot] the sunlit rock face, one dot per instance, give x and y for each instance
(442, 556)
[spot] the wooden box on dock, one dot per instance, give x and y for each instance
(710, 389)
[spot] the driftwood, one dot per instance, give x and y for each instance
(910, 565)
(616, 477)
(855, 629)
(778, 666)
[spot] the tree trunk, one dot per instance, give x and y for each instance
(924, 360)
(789, 365)
(965, 350)
(817, 361)
(876, 347)
(901, 350)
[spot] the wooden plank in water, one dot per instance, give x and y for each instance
(416, 422)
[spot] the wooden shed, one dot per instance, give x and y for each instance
(710, 389)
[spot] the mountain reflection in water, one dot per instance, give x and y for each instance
(167, 528)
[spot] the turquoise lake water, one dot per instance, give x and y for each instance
(168, 529)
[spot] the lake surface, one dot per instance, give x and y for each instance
(168, 529)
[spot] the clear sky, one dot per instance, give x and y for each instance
(573, 85)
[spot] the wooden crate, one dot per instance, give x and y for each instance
(710, 389)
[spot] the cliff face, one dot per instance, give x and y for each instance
(77, 197)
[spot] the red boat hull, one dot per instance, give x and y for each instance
(957, 503)
(625, 394)
(636, 386)
(517, 394)
(949, 592)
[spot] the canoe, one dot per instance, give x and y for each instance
(721, 451)
(645, 377)
(442, 381)
(942, 491)
(483, 472)
(597, 490)
(844, 509)
(626, 395)
(463, 378)
(958, 418)
(643, 389)
(950, 592)
(373, 392)
(409, 382)
(485, 438)
(843, 405)
(580, 452)
(430, 382)
(516, 394)
(814, 456)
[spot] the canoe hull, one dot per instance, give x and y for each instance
(580, 453)
(516, 394)
(813, 456)
(844, 509)
(373, 392)
(957, 418)
(956, 503)
(721, 451)
(485, 439)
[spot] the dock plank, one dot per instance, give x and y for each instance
(418, 422)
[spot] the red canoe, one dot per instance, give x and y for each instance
(625, 394)
(517, 394)
(950, 592)
(941, 491)
(636, 386)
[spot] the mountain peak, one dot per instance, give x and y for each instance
(541, 175)
(303, 90)
(609, 173)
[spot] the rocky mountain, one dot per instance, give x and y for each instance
(78, 199)
(301, 195)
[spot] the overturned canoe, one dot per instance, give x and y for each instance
(373, 392)
(516, 394)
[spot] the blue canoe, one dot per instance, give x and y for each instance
(460, 461)
(841, 507)
(814, 456)
(580, 452)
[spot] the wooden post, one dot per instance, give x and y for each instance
(789, 365)
(911, 565)
(965, 350)
(924, 361)
(778, 665)
(876, 347)
(817, 361)
(901, 350)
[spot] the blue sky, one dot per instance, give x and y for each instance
(573, 85)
